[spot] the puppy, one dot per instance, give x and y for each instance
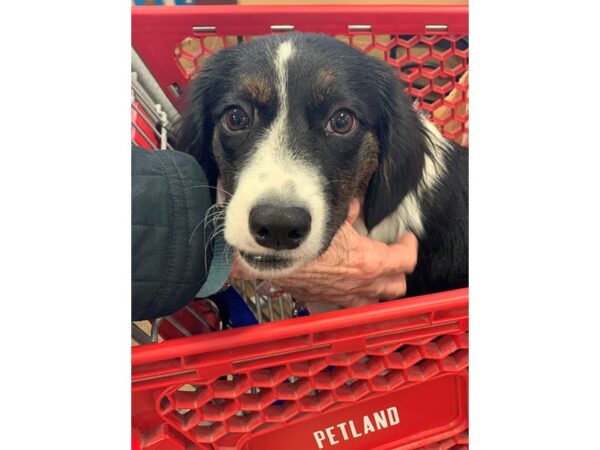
(293, 126)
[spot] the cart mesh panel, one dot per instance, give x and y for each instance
(434, 69)
(208, 410)
(223, 388)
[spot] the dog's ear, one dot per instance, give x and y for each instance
(195, 130)
(402, 149)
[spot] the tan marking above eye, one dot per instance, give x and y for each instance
(324, 85)
(257, 88)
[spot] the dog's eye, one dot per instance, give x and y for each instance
(342, 122)
(235, 119)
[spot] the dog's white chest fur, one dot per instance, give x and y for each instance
(388, 230)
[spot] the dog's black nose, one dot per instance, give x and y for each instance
(279, 227)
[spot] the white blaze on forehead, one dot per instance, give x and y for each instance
(274, 172)
(276, 140)
(284, 53)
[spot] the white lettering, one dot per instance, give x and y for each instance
(380, 420)
(367, 425)
(375, 421)
(330, 436)
(353, 430)
(342, 426)
(319, 437)
(393, 415)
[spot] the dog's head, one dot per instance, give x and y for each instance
(295, 126)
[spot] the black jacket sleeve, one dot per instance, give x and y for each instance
(169, 197)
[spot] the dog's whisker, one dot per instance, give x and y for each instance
(213, 236)
(226, 253)
(207, 216)
(213, 230)
(216, 188)
(213, 215)
(206, 245)
(327, 182)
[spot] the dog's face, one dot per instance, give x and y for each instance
(294, 125)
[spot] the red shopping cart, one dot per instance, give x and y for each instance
(386, 376)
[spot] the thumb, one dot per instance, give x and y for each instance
(404, 253)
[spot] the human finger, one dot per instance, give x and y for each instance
(402, 254)
(394, 288)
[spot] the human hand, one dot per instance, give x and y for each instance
(354, 271)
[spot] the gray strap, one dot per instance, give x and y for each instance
(218, 273)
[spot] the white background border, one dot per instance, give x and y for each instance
(65, 190)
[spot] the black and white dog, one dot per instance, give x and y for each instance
(294, 126)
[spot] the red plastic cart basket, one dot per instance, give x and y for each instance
(386, 376)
